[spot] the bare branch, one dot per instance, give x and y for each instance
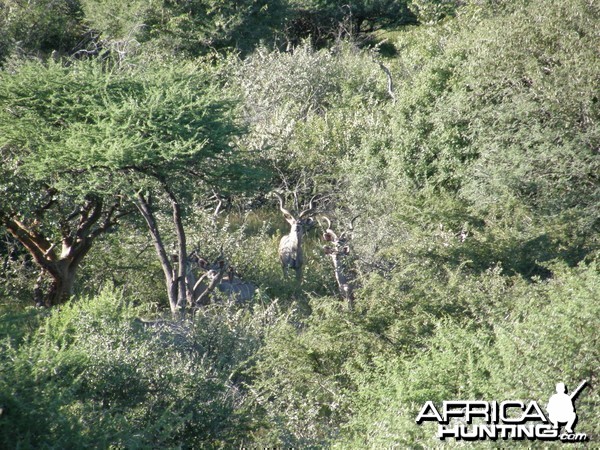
(390, 83)
(91, 213)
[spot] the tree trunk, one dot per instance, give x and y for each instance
(191, 280)
(204, 298)
(182, 260)
(54, 288)
(143, 205)
(358, 22)
(61, 287)
(175, 280)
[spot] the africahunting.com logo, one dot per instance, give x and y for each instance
(512, 419)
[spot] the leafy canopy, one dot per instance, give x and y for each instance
(164, 118)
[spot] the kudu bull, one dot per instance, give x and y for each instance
(338, 251)
(217, 275)
(290, 246)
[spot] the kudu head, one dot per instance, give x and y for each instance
(199, 289)
(220, 276)
(204, 265)
(338, 244)
(300, 223)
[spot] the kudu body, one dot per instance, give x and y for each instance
(235, 288)
(338, 250)
(217, 276)
(290, 246)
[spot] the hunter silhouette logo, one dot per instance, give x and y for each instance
(511, 419)
(561, 409)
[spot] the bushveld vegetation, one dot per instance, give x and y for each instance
(451, 151)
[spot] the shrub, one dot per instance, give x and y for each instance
(93, 375)
(543, 333)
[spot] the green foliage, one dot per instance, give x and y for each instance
(324, 21)
(476, 246)
(124, 259)
(432, 11)
(308, 110)
(188, 29)
(534, 128)
(521, 191)
(113, 125)
(16, 273)
(94, 375)
(87, 116)
(302, 373)
(390, 394)
(17, 322)
(40, 27)
(551, 336)
(548, 336)
(117, 21)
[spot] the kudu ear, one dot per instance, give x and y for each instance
(328, 250)
(203, 263)
(345, 250)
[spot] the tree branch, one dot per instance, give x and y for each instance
(41, 250)
(111, 219)
(51, 202)
(203, 298)
(36, 241)
(91, 213)
(143, 205)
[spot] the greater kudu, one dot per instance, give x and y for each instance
(338, 251)
(290, 246)
(220, 276)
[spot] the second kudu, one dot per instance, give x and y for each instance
(338, 250)
(290, 246)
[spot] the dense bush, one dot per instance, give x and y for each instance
(473, 179)
(546, 336)
(95, 375)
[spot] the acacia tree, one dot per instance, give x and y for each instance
(81, 140)
(30, 210)
(52, 201)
